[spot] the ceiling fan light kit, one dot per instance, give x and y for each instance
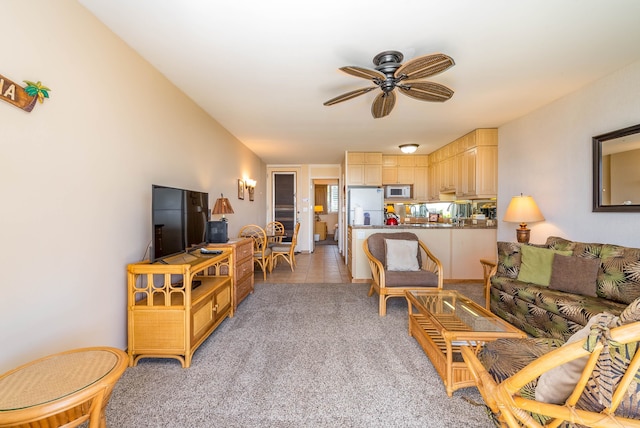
(408, 148)
(389, 74)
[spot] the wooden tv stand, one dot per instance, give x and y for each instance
(176, 303)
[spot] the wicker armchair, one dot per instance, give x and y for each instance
(393, 283)
(605, 392)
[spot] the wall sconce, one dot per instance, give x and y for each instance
(250, 184)
(523, 210)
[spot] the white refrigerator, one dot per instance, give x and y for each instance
(366, 206)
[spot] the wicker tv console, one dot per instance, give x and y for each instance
(175, 304)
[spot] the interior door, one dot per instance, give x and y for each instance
(284, 200)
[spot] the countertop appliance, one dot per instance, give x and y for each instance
(402, 191)
(363, 201)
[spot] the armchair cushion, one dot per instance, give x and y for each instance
(402, 255)
(419, 278)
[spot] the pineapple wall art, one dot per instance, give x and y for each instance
(24, 98)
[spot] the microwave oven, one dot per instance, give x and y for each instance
(398, 191)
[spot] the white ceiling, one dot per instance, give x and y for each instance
(264, 68)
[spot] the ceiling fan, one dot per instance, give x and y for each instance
(389, 74)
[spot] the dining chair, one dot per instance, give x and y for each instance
(286, 250)
(262, 255)
(275, 232)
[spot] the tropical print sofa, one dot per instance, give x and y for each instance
(551, 311)
(587, 281)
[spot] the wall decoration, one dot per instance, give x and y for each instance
(240, 189)
(24, 98)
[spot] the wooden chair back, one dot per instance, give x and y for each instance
(261, 252)
(513, 410)
(275, 231)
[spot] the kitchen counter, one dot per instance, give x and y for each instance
(458, 248)
(405, 226)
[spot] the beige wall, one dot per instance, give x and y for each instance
(547, 154)
(76, 176)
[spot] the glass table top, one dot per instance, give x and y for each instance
(446, 305)
(52, 378)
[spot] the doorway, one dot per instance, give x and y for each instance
(284, 200)
(326, 208)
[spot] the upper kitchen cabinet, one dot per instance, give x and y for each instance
(467, 167)
(478, 165)
(364, 169)
(402, 169)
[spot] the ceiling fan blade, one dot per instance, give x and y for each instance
(424, 66)
(383, 104)
(365, 73)
(426, 91)
(349, 95)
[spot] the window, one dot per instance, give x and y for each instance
(332, 198)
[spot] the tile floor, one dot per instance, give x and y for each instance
(325, 265)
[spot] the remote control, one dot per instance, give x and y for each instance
(208, 251)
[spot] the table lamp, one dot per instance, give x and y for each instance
(318, 209)
(222, 206)
(523, 210)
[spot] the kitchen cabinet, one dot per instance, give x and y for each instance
(466, 167)
(403, 169)
(389, 175)
(421, 184)
(478, 172)
(364, 169)
(448, 175)
(434, 179)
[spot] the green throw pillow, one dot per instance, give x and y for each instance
(536, 264)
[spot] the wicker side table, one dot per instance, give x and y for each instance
(67, 389)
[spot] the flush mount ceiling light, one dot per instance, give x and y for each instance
(408, 148)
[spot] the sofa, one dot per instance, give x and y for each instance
(584, 279)
(570, 297)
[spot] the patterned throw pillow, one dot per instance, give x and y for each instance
(555, 385)
(610, 368)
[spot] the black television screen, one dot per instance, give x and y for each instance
(179, 219)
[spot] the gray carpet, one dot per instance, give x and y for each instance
(299, 355)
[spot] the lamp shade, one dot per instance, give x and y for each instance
(318, 208)
(222, 206)
(522, 209)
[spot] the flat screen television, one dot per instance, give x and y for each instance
(179, 218)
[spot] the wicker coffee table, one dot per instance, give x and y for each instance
(445, 321)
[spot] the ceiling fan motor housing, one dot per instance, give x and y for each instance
(388, 62)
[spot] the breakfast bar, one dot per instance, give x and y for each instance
(458, 248)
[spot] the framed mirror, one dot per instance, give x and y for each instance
(616, 175)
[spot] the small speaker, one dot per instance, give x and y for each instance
(217, 232)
